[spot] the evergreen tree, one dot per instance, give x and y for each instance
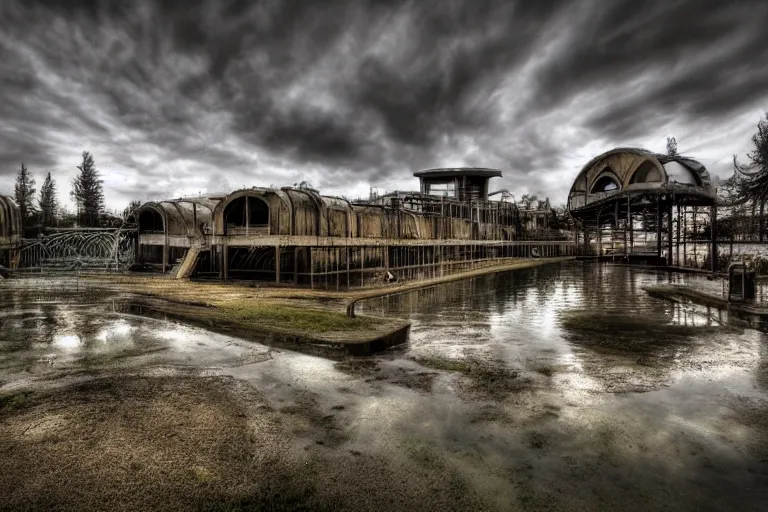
(131, 206)
(24, 192)
(754, 183)
(87, 192)
(755, 173)
(47, 202)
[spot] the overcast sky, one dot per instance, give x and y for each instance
(184, 96)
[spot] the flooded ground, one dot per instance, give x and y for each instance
(557, 388)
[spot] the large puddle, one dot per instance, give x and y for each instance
(563, 387)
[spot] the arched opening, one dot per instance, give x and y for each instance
(605, 184)
(647, 172)
(246, 213)
(679, 173)
(150, 222)
(150, 243)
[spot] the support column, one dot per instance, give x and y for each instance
(362, 266)
(659, 220)
(678, 235)
(669, 234)
(277, 263)
(685, 235)
(248, 216)
(225, 259)
(630, 227)
(165, 252)
(295, 266)
(713, 235)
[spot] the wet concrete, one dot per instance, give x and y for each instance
(529, 390)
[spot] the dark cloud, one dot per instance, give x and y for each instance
(204, 93)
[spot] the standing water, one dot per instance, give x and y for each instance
(563, 387)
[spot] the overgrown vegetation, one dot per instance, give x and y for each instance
(271, 315)
(14, 401)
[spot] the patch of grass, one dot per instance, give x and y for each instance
(308, 320)
(202, 475)
(14, 402)
(449, 365)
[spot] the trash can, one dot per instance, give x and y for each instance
(741, 283)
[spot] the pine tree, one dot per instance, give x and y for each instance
(25, 193)
(47, 202)
(87, 192)
(135, 203)
(755, 173)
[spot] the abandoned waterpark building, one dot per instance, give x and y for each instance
(10, 232)
(298, 236)
(633, 204)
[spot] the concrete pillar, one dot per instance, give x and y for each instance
(277, 264)
(225, 259)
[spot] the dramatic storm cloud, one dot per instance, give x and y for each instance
(178, 97)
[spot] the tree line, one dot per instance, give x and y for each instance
(43, 210)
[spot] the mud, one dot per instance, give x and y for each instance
(498, 402)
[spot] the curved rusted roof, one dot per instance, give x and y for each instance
(620, 168)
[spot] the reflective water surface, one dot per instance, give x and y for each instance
(563, 387)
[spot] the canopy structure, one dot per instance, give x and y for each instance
(640, 179)
(634, 191)
(167, 229)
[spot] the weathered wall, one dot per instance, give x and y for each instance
(301, 212)
(10, 223)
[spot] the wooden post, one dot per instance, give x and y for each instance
(277, 262)
(248, 216)
(311, 268)
(347, 251)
